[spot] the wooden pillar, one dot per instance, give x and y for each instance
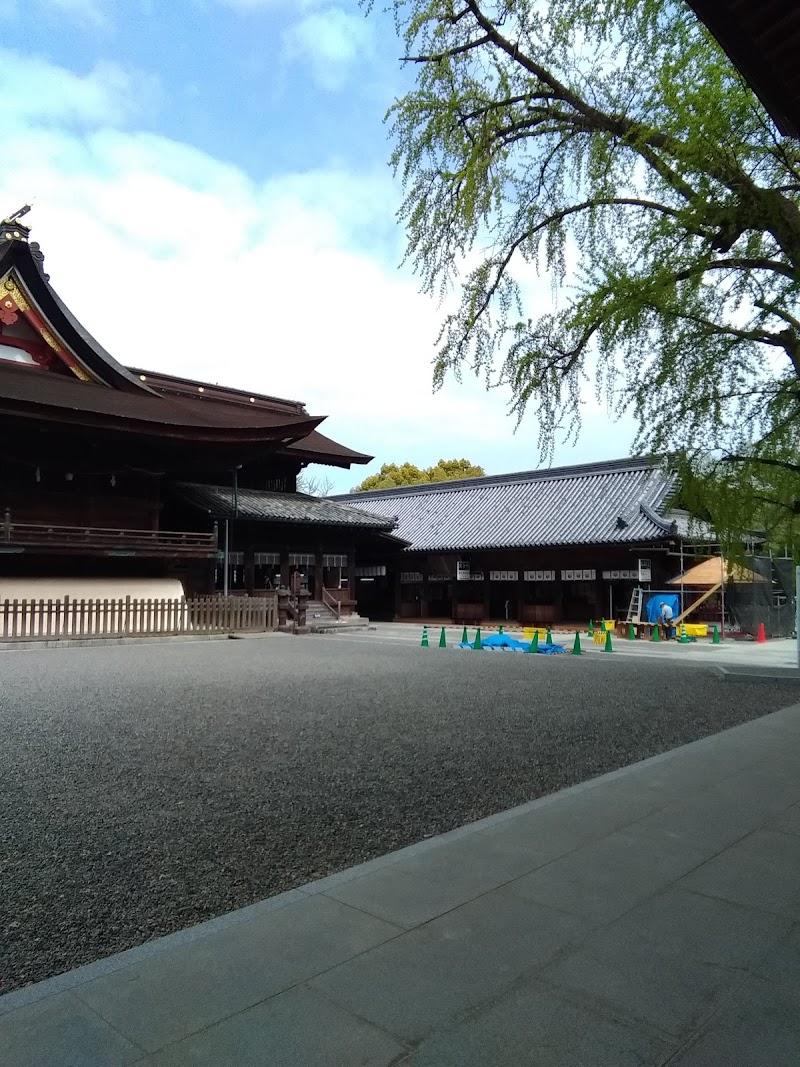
(558, 597)
(249, 570)
(398, 591)
(317, 590)
(352, 585)
(487, 591)
(522, 589)
(284, 568)
(423, 603)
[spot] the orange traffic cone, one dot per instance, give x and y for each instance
(762, 636)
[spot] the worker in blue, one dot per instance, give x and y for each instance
(665, 617)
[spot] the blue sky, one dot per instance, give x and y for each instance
(211, 191)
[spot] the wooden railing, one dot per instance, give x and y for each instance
(330, 602)
(96, 539)
(54, 620)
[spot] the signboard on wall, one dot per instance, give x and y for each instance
(504, 576)
(410, 577)
(463, 571)
(645, 570)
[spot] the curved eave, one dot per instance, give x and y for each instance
(280, 436)
(17, 255)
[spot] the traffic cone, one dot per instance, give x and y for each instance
(478, 646)
(656, 636)
(534, 645)
(715, 638)
(576, 648)
(442, 639)
(464, 637)
(607, 647)
(603, 625)
(501, 629)
(424, 643)
(549, 637)
(684, 638)
(762, 634)
(591, 628)
(631, 632)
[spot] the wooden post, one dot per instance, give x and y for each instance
(318, 575)
(249, 570)
(352, 582)
(284, 568)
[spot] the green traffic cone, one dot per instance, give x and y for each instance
(576, 648)
(603, 624)
(424, 643)
(534, 645)
(715, 638)
(656, 635)
(549, 637)
(442, 639)
(501, 629)
(591, 628)
(478, 646)
(684, 639)
(464, 637)
(631, 632)
(607, 647)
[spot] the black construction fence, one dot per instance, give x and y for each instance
(768, 597)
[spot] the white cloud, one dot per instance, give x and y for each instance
(180, 262)
(330, 41)
(35, 93)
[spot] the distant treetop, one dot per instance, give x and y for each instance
(392, 475)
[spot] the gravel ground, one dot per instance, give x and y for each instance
(148, 787)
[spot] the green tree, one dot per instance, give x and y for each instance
(611, 145)
(392, 475)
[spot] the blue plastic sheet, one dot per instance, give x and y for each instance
(504, 643)
(653, 606)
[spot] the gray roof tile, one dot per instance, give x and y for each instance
(261, 505)
(601, 503)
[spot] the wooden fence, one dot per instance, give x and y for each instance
(53, 620)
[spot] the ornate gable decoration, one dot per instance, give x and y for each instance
(16, 304)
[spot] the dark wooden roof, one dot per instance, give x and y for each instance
(131, 400)
(762, 38)
(26, 392)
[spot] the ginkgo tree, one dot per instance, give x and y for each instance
(612, 146)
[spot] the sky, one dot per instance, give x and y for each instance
(211, 189)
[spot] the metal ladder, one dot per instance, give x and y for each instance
(635, 606)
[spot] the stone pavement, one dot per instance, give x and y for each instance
(650, 916)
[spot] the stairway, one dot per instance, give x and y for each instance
(322, 619)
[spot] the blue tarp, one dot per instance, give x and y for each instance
(510, 644)
(653, 606)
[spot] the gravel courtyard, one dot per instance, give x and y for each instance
(147, 787)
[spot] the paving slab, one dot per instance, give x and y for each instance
(536, 1026)
(61, 1031)
(760, 1027)
(447, 966)
(170, 996)
(294, 1029)
(762, 870)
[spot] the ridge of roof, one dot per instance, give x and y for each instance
(610, 466)
(159, 380)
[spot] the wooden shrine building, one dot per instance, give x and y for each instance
(559, 545)
(119, 473)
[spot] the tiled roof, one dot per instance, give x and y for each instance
(601, 503)
(264, 506)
